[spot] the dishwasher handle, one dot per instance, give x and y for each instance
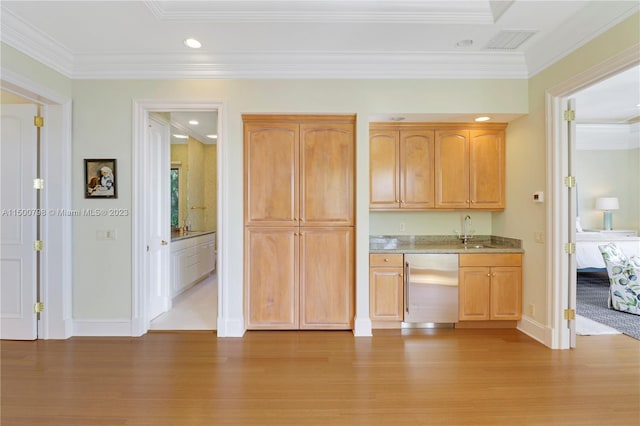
(407, 277)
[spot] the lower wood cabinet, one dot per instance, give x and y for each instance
(386, 293)
(490, 287)
(299, 278)
(191, 260)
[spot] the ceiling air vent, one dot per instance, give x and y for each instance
(508, 40)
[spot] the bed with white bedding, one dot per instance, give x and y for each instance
(588, 254)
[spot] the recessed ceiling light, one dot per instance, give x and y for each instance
(192, 43)
(212, 136)
(397, 118)
(180, 136)
(484, 118)
(194, 122)
(464, 43)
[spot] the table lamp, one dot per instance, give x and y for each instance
(607, 204)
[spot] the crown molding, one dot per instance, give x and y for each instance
(35, 44)
(380, 11)
(607, 137)
(584, 28)
(295, 64)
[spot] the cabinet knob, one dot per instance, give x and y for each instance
(397, 201)
(488, 275)
(163, 242)
(494, 274)
(473, 201)
(386, 259)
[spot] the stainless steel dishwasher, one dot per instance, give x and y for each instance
(430, 290)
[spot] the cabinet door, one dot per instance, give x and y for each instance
(452, 168)
(271, 278)
(506, 293)
(486, 169)
(417, 169)
(384, 169)
(327, 179)
(474, 293)
(386, 294)
(271, 171)
(327, 280)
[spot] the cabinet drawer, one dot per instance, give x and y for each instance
(385, 259)
(502, 259)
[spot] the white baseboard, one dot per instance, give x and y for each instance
(102, 328)
(362, 327)
(536, 330)
(230, 328)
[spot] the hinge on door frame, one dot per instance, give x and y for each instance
(38, 183)
(38, 121)
(570, 248)
(570, 181)
(38, 245)
(38, 307)
(570, 115)
(569, 314)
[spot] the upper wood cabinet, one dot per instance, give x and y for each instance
(401, 172)
(470, 169)
(299, 171)
(424, 166)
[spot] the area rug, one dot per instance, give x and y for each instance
(587, 327)
(591, 302)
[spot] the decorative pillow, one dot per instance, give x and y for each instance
(612, 253)
(624, 288)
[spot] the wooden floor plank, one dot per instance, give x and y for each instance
(396, 377)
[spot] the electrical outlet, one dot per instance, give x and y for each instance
(110, 234)
(539, 237)
(402, 226)
(531, 310)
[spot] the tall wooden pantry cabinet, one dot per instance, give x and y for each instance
(299, 204)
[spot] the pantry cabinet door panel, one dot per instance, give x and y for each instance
(327, 163)
(271, 278)
(271, 170)
(327, 280)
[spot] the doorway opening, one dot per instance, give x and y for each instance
(53, 268)
(561, 215)
(187, 242)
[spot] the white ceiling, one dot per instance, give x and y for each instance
(302, 38)
(319, 39)
(207, 124)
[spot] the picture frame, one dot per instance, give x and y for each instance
(100, 178)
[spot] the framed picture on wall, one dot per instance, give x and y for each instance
(100, 178)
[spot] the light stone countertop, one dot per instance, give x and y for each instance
(442, 244)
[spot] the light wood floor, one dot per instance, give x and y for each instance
(424, 377)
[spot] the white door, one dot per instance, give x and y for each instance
(572, 204)
(158, 218)
(18, 158)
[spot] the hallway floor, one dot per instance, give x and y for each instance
(195, 309)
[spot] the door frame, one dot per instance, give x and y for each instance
(141, 109)
(56, 169)
(557, 214)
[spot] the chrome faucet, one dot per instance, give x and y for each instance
(467, 235)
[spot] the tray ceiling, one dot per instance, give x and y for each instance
(305, 39)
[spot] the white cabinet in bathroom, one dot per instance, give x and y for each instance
(191, 260)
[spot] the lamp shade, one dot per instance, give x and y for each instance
(607, 203)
